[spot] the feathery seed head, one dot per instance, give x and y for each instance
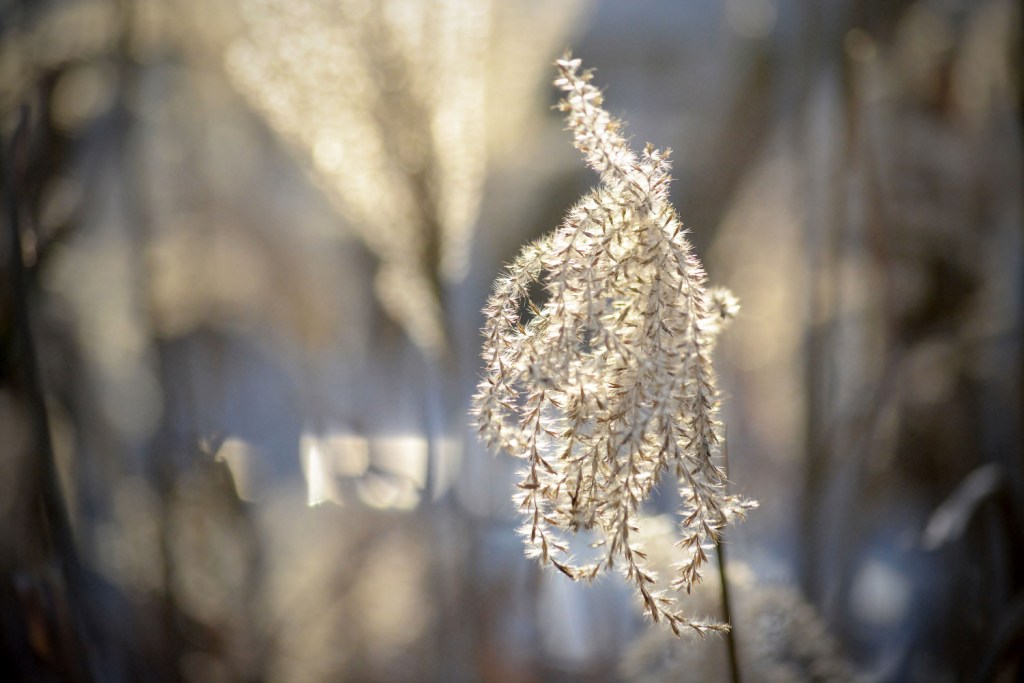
(609, 384)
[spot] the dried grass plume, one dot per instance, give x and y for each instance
(605, 384)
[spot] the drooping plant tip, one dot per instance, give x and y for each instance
(609, 384)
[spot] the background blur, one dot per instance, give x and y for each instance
(245, 246)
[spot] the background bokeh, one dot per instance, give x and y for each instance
(245, 246)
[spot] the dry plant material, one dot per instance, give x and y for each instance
(387, 107)
(607, 383)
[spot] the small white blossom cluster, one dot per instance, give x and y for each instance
(607, 384)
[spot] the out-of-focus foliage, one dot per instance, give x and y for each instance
(243, 252)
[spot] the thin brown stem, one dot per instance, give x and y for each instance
(730, 635)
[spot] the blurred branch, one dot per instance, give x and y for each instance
(1005, 644)
(48, 537)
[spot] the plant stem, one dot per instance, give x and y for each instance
(54, 540)
(730, 636)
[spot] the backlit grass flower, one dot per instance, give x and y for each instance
(604, 383)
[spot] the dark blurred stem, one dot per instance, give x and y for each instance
(55, 522)
(58, 527)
